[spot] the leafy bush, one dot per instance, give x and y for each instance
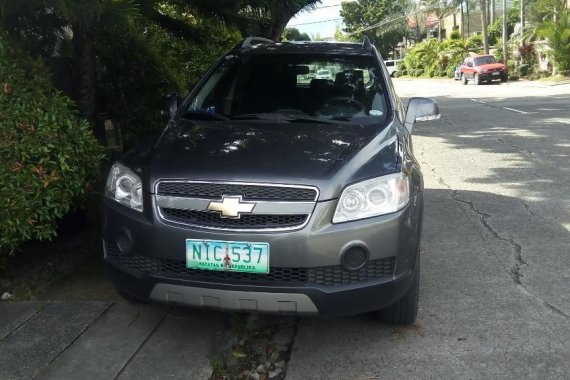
(527, 54)
(435, 58)
(147, 63)
(47, 155)
(455, 35)
(558, 35)
(523, 70)
(475, 43)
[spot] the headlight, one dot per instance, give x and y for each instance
(373, 197)
(125, 187)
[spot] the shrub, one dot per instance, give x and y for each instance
(47, 155)
(455, 35)
(527, 54)
(475, 43)
(147, 63)
(523, 70)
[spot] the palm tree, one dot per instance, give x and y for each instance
(558, 35)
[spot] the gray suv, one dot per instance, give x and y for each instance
(273, 191)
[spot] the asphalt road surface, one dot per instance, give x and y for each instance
(495, 281)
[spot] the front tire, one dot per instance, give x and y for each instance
(477, 80)
(405, 310)
(463, 79)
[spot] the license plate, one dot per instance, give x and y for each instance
(496, 73)
(227, 256)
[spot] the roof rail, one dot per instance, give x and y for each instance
(252, 41)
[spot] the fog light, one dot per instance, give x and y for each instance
(354, 257)
(125, 243)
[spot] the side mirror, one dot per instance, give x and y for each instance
(421, 109)
(171, 104)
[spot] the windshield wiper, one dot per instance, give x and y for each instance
(285, 117)
(201, 115)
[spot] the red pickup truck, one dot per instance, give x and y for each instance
(482, 68)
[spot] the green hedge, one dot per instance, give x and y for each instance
(47, 155)
(435, 58)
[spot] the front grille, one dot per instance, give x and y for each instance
(328, 276)
(248, 192)
(247, 221)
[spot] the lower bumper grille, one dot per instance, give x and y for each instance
(329, 275)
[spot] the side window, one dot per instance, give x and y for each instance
(470, 63)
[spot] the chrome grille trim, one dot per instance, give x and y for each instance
(262, 207)
(237, 183)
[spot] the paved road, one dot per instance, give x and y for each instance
(496, 248)
(495, 300)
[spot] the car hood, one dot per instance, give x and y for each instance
(492, 66)
(323, 155)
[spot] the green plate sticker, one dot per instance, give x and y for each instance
(232, 256)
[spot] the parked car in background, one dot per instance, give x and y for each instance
(267, 194)
(482, 68)
(392, 66)
(457, 72)
(324, 74)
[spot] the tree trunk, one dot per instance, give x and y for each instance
(522, 21)
(462, 22)
(505, 33)
(84, 73)
(493, 12)
(454, 21)
(467, 13)
(483, 6)
(439, 30)
(278, 26)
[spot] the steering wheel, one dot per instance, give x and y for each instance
(343, 101)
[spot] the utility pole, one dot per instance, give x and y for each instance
(493, 12)
(505, 33)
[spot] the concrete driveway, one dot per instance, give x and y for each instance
(495, 299)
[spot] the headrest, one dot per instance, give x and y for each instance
(349, 77)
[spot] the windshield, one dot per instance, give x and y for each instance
(479, 61)
(319, 87)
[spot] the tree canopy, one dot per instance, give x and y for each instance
(383, 21)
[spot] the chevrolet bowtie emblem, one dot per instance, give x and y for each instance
(231, 206)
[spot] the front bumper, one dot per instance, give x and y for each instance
(309, 277)
(307, 300)
(501, 76)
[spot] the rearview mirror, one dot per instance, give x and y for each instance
(421, 109)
